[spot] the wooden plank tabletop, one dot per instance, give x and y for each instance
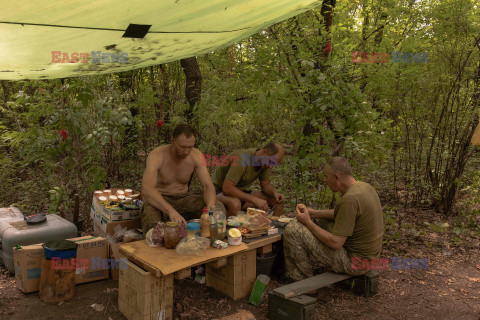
(162, 261)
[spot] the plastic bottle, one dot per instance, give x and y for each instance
(205, 224)
(213, 227)
(221, 220)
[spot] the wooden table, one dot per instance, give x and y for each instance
(161, 261)
(231, 271)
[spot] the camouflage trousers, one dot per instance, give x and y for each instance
(188, 205)
(304, 252)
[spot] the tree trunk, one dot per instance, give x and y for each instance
(56, 284)
(193, 87)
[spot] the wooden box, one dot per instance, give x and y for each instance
(237, 278)
(143, 296)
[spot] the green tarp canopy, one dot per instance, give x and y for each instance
(69, 38)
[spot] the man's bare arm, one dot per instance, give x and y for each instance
(267, 188)
(204, 177)
(319, 214)
(230, 189)
(150, 192)
(329, 239)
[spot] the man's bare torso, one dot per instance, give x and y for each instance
(174, 174)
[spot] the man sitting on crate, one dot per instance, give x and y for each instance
(341, 237)
(243, 168)
(166, 179)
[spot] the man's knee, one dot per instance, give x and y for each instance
(292, 229)
(234, 205)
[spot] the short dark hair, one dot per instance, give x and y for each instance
(271, 148)
(183, 129)
(340, 166)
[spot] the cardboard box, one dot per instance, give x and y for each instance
(141, 295)
(237, 278)
(91, 250)
(113, 252)
(109, 228)
(103, 215)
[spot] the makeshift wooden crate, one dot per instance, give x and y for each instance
(237, 278)
(144, 296)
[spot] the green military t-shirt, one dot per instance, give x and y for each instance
(240, 170)
(358, 215)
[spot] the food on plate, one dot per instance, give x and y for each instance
(252, 211)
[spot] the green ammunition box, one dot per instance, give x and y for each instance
(297, 308)
(365, 285)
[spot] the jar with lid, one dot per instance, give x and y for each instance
(192, 230)
(172, 235)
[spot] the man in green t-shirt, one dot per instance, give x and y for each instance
(354, 229)
(239, 170)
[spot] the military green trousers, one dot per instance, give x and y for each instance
(304, 252)
(188, 205)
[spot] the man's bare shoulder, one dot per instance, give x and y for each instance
(158, 154)
(197, 156)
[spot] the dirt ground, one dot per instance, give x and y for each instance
(448, 289)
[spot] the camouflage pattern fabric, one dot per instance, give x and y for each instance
(189, 205)
(304, 252)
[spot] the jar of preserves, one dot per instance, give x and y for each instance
(172, 235)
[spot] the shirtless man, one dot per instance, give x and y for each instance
(166, 177)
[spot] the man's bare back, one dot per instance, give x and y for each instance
(174, 174)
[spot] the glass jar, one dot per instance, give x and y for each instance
(172, 235)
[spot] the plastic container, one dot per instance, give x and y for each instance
(234, 237)
(221, 220)
(213, 228)
(10, 214)
(18, 232)
(205, 224)
(192, 230)
(61, 249)
(265, 263)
